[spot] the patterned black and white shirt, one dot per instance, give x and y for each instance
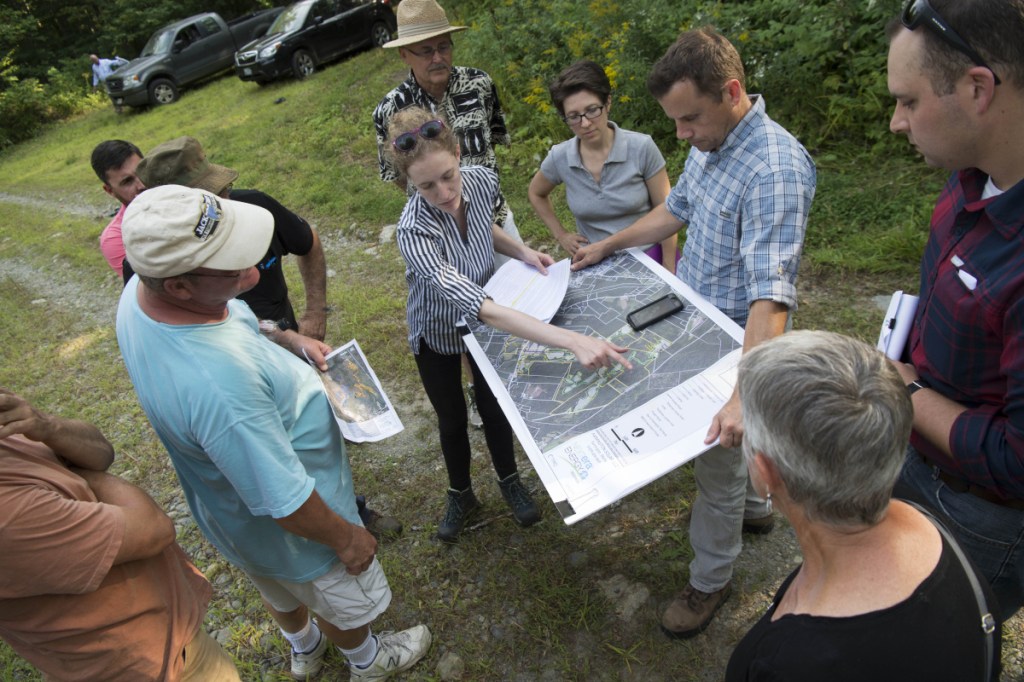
(471, 106)
(445, 273)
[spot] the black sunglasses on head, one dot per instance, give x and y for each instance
(406, 142)
(921, 13)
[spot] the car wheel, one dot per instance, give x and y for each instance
(303, 64)
(380, 34)
(162, 91)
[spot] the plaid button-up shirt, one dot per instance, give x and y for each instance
(967, 341)
(746, 206)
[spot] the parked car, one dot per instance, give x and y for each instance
(182, 53)
(312, 32)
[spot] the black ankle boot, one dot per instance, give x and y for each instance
(461, 507)
(519, 500)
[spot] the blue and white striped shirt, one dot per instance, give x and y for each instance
(746, 206)
(446, 274)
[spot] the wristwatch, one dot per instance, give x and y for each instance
(271, 326)
(915, 386)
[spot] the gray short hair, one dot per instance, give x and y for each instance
(834, 417)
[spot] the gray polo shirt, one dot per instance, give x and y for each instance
(603, 208)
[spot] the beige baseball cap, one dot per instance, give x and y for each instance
(171, 229)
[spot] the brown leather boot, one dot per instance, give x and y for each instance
(690, 613)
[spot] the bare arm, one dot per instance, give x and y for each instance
(767, 319)
(147, 529)
(540, 198)
(316, 521)
(304, 347)
(505, 245)
(657, 225)
(77, 442)
(591, 352)
(934, 413)
(658, 187)
(313, 269)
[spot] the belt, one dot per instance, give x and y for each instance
(958, 485)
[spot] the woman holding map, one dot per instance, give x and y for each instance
(612, 176)
(448, 237)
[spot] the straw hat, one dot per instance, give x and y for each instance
(419, 20)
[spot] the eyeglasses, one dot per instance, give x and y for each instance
(406, 142)
(590, 113)
(921, 13)
(428, 51)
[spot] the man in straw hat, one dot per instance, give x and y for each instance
(465, 96)
(249, 429)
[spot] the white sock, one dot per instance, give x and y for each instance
(305, 640)
(362, 656)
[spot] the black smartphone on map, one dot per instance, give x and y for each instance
(646, 315)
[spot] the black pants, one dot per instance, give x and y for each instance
(442, 380)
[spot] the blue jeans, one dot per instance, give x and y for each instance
(992, 536)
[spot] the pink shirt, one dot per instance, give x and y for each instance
(111, 244)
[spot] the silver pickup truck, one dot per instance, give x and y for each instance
(183, 53)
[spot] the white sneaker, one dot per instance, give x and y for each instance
(304, 665)
(396, 651)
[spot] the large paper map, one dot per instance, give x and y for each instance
(595, 436)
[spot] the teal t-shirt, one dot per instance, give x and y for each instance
(249, 431)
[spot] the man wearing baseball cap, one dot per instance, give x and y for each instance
(249, 429)
(182, 161)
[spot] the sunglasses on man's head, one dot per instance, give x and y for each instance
(921, 13)
(406, 142)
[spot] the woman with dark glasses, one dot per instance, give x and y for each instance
(448, 237)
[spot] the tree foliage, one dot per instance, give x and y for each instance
(43, 34)
(819, 63)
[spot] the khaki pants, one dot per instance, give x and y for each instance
(206, 661)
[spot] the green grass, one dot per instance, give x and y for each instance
(505, 600)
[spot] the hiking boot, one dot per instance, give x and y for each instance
(519, 500)
(474, 415)
(379, 525)
(396, 651)
(690, 613)
(309, 663)
(759, 526)
(461, 507)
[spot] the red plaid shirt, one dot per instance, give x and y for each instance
(968, 339)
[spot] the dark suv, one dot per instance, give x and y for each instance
(311, 32)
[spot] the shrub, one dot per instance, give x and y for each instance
(819, 63)
(26, 104)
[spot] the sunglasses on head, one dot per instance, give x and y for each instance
(406, 142)
(921, 13)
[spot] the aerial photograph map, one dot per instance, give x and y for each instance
(557, 398)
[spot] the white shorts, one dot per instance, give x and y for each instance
(346, 601)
